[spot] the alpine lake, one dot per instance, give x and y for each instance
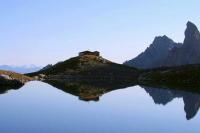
(38, 107)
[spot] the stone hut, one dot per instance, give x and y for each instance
(95, 53)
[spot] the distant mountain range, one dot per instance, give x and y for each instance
(20, 69)
(165, 52)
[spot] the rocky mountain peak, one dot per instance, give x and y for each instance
(154, 54)
(162, 39)
(191, 33)
(165, 52)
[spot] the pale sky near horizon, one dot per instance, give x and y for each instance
(41, 32)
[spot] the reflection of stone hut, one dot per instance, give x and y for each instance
(95, 53)
(89, 98)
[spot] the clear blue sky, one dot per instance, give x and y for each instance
(47, 31)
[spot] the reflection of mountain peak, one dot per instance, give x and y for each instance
(192, 105)
(164, 96)
(160, 96)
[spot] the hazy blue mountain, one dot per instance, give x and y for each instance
(189, 52)
(164, 52)
(20, 69)
(154, 54)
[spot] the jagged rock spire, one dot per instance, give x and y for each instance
(191, 34)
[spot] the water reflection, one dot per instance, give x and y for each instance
(92, 91)
(88, 91)
(164, 96)
(5, 89)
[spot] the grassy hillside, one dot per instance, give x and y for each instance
(11, 80)
(89, 66)
(16, 76)
(187, 76)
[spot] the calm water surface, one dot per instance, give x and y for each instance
(40, 108)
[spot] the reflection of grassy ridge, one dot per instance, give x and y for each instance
(5, 88)
(187, 77)
(84, 91)
(88, 90)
